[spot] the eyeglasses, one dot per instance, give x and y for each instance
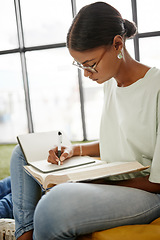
(92, 68)
(88, 68)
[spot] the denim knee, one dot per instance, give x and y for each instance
(55, 213)
(16, 151)
(25, 193)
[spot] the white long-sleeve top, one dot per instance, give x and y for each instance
(130, 124)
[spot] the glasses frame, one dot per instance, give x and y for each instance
(88, 68)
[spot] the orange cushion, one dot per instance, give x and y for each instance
(130, 232)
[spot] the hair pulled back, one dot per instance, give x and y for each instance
(96, 25)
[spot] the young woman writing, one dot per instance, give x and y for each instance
(130, 130)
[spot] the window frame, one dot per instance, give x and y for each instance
(22, 50)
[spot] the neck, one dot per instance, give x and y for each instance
(129, 71)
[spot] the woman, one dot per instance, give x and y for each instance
(129, 131)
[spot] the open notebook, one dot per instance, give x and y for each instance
(36, 146)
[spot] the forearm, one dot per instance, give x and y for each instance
(87, 149)
(141, 183)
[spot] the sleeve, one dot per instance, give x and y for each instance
(155, 166)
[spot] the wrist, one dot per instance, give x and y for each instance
(77, 150)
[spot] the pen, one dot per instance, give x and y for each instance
(59, 146)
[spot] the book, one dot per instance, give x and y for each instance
(36, 146)
(97, 170)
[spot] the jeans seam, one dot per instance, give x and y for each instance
(118, 219)
(113, 220)
(21, 207)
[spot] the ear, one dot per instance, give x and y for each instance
(118, 42)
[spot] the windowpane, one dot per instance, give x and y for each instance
(54, 92)
(8, 39)
(149, 52)
(123, 6)
(130, 47)
(45, 21)
(148, 15)
(93, 103)
(13, 120)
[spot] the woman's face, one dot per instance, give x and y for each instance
(104, 59)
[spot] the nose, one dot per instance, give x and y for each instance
(87, 73)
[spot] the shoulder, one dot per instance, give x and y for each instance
(154, 74)
(151, 80)
(110, 84)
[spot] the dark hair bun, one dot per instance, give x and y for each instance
(130, 28)
(96, 25)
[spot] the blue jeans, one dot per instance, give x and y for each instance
(6, 206)
(73, 209)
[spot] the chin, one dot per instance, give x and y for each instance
(100, 81)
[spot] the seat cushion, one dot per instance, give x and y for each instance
(130, 232)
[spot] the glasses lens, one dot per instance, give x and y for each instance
(89, 69)
(75, 64)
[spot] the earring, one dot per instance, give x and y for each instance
(120, 56)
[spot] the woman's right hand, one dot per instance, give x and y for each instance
(66, 152)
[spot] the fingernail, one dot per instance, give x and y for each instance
(62, 158)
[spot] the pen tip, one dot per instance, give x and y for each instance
(59, 133)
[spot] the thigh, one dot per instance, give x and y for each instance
(25, 193)
(25, 190)
(74, 209)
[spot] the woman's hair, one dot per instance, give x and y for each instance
(96, 25)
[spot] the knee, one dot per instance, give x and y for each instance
(16, 154)
(54, 213)
(17, 160)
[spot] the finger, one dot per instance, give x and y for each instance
(51, 160)
(64, 155)
(53, 152)
(52, 156)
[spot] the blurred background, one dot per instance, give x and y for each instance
(40, 90)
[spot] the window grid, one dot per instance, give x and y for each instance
(22, 50)
(23, 64)
(81, 93)
(136, 40)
